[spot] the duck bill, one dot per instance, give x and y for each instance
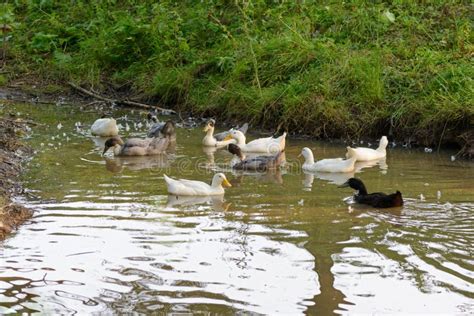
(105, 150)
(228, 137)
(300, 155)
(344, 185)
(206, 128)
(226, 183)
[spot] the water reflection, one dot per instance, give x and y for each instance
(217, 201)
(381, 163)
(117, 243)
(420, 248)
(308, 181)
(333, 177)
(99, 142)
(269, 176)
(210, 160)
(118, 164)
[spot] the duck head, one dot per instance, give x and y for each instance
(209, 125)
(355, 184)
(398, 199)
(308, 155)
(168, 129)
(238, 136)
(235, 150)
(112, 143)
(219, 179)
(151, 117)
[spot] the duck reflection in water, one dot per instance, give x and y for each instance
(118, 164)
(382, 163)
(216, 201)
(337, 178)
(209, 152)
(99, 142)
(270, 176)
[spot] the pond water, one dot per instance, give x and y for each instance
(107, 238)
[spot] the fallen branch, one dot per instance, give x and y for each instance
(123, 102)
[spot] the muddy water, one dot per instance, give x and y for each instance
(107, 238)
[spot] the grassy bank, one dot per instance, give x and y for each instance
(324, 68)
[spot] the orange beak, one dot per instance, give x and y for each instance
(226, 183)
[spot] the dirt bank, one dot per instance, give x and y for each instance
(12, 153)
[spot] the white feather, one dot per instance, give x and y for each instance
(367, 154)
(192, 187)
(104, 127)
(326, 165)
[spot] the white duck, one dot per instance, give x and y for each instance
(366, 154)
(260, 145)
(191, 187)
(210, 141)
(326, 165)
(105, 127)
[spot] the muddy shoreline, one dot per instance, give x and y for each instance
(13, 153)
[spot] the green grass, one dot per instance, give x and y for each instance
(3, 80)
(325, 68)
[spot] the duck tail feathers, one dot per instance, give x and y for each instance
(244, 128)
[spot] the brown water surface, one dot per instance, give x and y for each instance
(107, 238)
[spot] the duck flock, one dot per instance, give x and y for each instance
(162, 134)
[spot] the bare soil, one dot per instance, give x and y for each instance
(12, 153)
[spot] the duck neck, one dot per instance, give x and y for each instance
(117, 150)
(309, 159)
(382, 145)
(216, 183)
(361, 190)
(210, 132)
(352, 161)
(240, 141)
